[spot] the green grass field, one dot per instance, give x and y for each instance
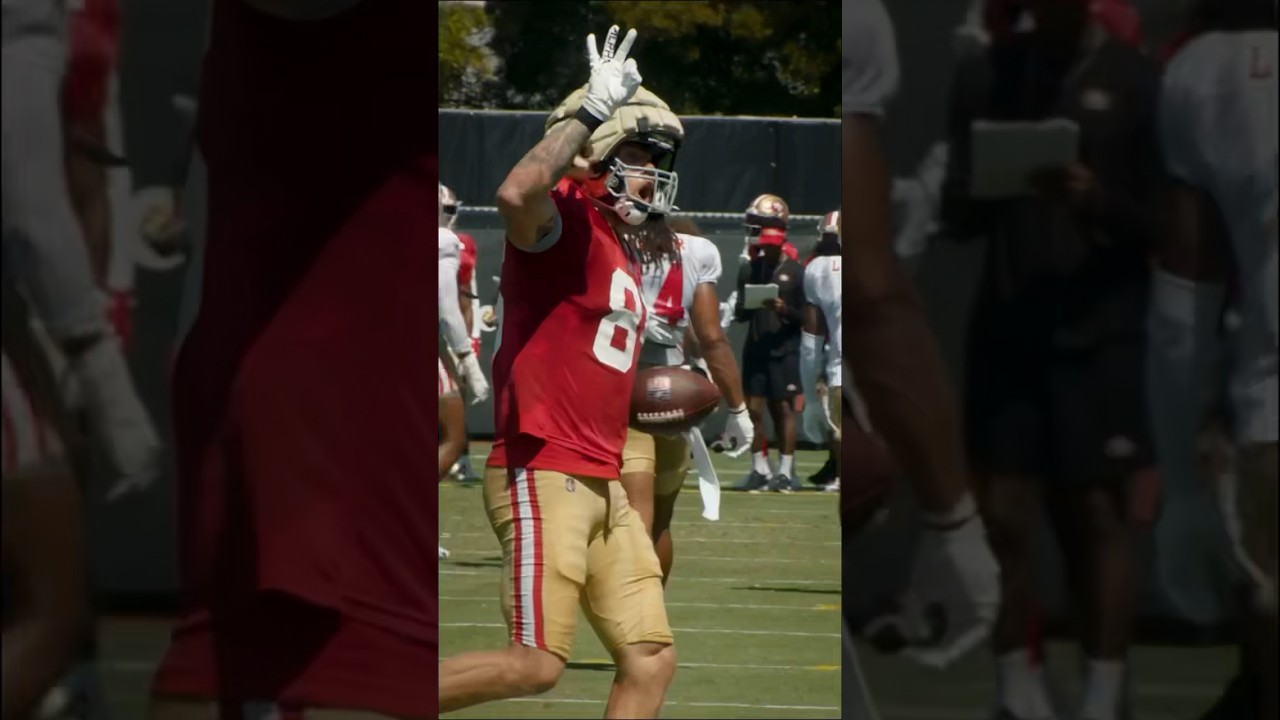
(754, 601)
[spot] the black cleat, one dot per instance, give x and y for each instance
(782, 483)
(755, 482)
(826, 474)
(1238, 699)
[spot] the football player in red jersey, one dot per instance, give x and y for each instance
(576, 212)
(303, 393)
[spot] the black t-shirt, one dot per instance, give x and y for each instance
(1050, 268)
(769, 331)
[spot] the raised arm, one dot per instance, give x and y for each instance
(524, 201)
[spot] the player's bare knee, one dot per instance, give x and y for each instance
(647, 663)
(533, 671)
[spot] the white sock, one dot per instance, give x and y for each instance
(1103, 683)
(1020, 686)
(760, 462)
(787, 462)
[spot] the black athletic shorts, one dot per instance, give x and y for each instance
(1071, 416)
(774, 378)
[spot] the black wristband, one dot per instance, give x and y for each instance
(585, 117)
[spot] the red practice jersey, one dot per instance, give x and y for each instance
(572, 319)
(467, 266)
(304, 397)
(94, 42)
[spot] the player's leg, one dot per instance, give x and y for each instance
(44, 560)
(755, 386)
(673, 460)
(544, 521)
(45, 601)
(453, 421)
(784, 383)
(624, 603)
(1101, 443)
(1004, 429)
(835, 413)
(1256, 553)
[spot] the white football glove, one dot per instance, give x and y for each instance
(816, 423)
(614, 77)
(471, 376)
(726, 309)
(161, 228)
(738, 432)
(954, 596)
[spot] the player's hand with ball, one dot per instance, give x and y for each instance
(614, 77)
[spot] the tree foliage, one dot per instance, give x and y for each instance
(467, 67)
(730, 57)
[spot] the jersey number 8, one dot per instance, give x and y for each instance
(615, 342)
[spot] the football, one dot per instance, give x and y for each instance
(671, 399)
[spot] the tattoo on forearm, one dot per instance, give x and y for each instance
(554, 154)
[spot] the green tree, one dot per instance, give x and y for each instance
(715, 57)
(467, 66)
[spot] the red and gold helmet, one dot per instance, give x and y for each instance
(448, 207)
(767, 211)
(830, 223)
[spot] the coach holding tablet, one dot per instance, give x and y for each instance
(1055, 406)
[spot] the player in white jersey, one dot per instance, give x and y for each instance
(678, 284)
(457, 360)
(1217, 117)
(822, 290)
(472, 313)
(44, 247)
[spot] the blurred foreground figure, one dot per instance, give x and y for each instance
(1055, 399)
(304, 396)
(1218, 135)
(894, 360)
(45, 253)
(45, 603)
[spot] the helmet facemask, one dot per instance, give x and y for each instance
(665, 183)
(449, 204)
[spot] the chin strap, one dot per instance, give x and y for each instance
(629, 213)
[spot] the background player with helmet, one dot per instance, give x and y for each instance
(469, 299)
(1218, 137)
(821, 366)
(770, 355)
(458, 357)
(576, 222)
